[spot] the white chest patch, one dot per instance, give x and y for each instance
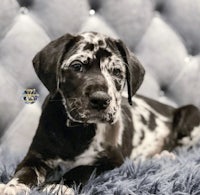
(87, 157)
(90, 154)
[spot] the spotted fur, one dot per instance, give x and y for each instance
(95, 51)
(86, 124)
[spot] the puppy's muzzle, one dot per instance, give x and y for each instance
(99, 100)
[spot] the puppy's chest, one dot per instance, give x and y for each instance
(87, 157)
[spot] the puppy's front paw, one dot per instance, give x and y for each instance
(166, 154)
(58, 189)
(2, 187)
(14, 189)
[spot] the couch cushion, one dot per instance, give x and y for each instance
(8, 11)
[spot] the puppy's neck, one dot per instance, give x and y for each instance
(112, 132)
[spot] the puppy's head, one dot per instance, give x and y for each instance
(90, 71)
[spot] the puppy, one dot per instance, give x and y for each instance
(86, 124)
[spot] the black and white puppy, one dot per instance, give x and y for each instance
(86, 124)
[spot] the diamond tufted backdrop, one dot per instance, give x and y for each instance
(165, 35)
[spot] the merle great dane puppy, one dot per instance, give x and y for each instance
(86, 124)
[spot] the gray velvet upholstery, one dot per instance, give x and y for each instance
(165, 35)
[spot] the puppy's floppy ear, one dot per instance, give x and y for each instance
(134, 69)
(47, 62)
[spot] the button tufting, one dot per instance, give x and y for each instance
(159, 8)
(161, 93)
(163, 90)
(25, 3)
(187, 60)
(91, 12)
(23, 10)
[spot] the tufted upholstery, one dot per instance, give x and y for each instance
(165, 35)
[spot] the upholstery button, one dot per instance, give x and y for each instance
(91, 12)
(163, 90)
(187, 60)
(161, 93)
(23, 10)
(159, 7)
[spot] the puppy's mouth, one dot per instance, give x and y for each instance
(81, 115)
(78, 110)
(90, 116)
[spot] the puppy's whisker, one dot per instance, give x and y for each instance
(72, 98)
(74, 108)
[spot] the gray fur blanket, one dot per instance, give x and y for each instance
(163, 176)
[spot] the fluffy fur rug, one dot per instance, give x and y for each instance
(163, 176)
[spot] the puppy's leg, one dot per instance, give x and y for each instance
(25, 178)
(78, 175)
(30, 172)
(14, 188)
(81, 174)
(165, 154)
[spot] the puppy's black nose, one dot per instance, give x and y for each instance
(99, 100)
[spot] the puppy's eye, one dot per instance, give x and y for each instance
(116, 72)
(76, 66)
